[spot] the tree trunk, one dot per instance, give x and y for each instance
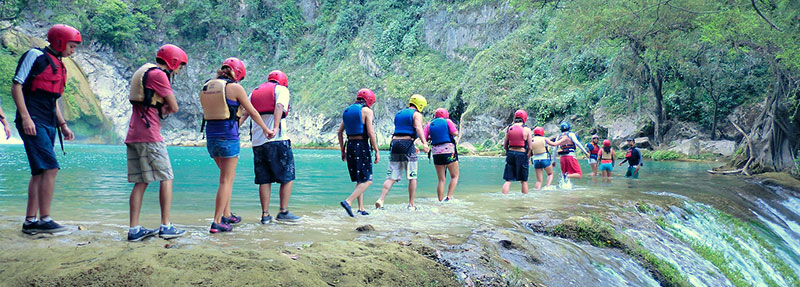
(714, 121)
(656, 84)
(774, 134)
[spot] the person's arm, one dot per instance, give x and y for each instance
(505, 141)
(244, 118)
(578, 143)
(452, 127)
(623, 161)
(28, 127)
(613, 157)
(427, 131)
(282, 100)
(641, 159)
(418, 128)
(68, 135)
(241, 96)
(369, 116)
(340, 136)
(529, 139)
(3, 120)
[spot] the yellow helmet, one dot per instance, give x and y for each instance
(418, 101)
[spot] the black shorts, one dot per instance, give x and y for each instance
(516, 166)
(445, 158)
(402, 150)
(359, 160)
(273, 162)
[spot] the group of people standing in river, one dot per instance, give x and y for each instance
(40, 80)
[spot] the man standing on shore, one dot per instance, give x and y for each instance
(39, 81)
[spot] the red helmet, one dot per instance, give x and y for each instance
(278, 77)
(441, 113)
(237, 66)
(367, 95)
(538, 131)
(60, 34)
(172, 55)
(522, 114)
(606, 143)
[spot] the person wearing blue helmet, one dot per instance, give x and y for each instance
(568, 141)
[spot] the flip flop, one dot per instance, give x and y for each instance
(347, 208)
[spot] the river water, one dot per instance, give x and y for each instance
(754, 228)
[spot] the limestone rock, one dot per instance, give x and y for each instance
(697, 146)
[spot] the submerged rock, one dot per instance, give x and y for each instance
(365, 228)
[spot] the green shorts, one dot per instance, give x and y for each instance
(632, 173)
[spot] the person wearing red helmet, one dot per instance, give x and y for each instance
(606, 158)
(441, 133)
(151, 97)
(221, 99)
(357, 122)
(517, 142)
(594, 150)
(39, 81)
(272, 153)
(541, 157)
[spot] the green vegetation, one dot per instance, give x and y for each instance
(661, 155)
(601, 234)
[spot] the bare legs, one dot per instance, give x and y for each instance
(40, 193)
(164, 196)
(507, 185)
(264, 191)
(358, 193)
(387, 185)
(441, 175)
(227, 171)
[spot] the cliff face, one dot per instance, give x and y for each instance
(489, 49)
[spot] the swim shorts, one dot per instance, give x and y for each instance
(632, 172)
(39, 148)
(148, 162)
(606, 167)
(402, 160)
(541, 163)
(570, 165)
(273, 162)
(359, 160)
(516, 166)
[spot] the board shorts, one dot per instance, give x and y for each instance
(359, 160)
(402, 160)
(606, 167)
(630, 173)
(592, 161)
(516, 166)
(223, 148)
(39, 148)
(273, 162)
(569, 165)
(148, 162)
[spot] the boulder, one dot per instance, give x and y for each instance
(618, 126)
(697, 146)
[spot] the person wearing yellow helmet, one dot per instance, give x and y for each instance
(403, 159)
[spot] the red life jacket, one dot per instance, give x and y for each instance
(516, 136)
(264, 99)
(51, 80)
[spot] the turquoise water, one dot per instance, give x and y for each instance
(93, 180)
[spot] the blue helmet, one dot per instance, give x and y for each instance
(565, 126)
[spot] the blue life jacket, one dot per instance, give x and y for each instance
(353, 123)
(404, 123)
(439, 131)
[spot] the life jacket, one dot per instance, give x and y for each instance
(44, 82)
(440, 131)
(264, 99)
(516, 136)
(139, 94)
(594, 151)
(353, 123)
(568, 147)
(404, 123)
(539, 145)
(213, 100)
(606, 155)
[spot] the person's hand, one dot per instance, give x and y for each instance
(426, 148)
(6, 129)
(269, 133)
(344, 156)
(377, 157)
(68, 135)
(620, 164)
(29, 127)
